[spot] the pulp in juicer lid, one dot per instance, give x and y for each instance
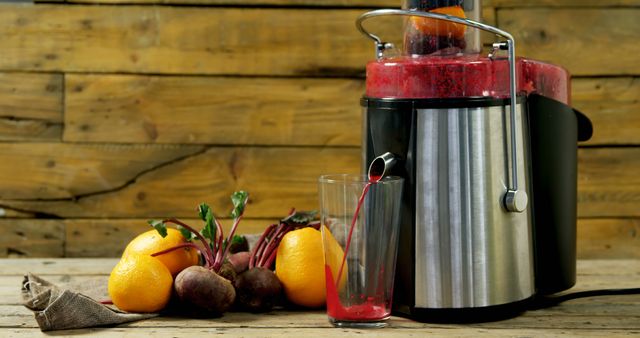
(463, 76)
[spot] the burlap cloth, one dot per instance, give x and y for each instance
(57, 308)
(75, 306)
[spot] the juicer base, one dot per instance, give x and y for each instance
(467, 315)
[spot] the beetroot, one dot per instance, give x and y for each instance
(205, 290)
(258, 288)
(228, 272)
(240, 261)
(210, 288)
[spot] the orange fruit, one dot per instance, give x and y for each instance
(441, 27)
(140, 283)
(333, 255)
(151, 242)
(300, 267)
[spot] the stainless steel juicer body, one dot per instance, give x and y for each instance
(460, 247)
(469, 250)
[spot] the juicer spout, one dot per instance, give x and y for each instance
(381, 165)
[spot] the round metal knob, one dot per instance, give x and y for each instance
(516, 200)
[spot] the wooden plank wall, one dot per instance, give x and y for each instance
(139, 109)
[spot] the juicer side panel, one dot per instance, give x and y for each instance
(554, 136)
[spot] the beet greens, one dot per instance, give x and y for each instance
(211, 236)
(207, 289)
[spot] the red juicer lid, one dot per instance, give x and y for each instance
(463, 76)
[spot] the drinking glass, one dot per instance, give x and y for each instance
(360, 219)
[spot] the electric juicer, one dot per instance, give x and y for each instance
(487, 144)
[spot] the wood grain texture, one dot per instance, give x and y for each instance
(564, 3)
(16, 267)
(108, 238)
(608, 182)
(30, 107)
(156, 181)
(624, 269)
(143, 109)
(615, 317)
(182, 40)
(613, 105)
(12, 316)
(32, 238)
(52, 170)
(10, 213)
(186, 40)
(460, 332)
(367, 3)
(586, 41)
(589, 317)
(612, 238)
(608, 238)
(213, 110)
(36, 96)
(274, 3)
(284, 3)
(130, 181)
(29, 130)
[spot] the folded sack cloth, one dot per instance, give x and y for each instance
(57, 308)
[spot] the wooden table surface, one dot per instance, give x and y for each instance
(603, 316)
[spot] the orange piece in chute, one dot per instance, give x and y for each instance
(441, 27)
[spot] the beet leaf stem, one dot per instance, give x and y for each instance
(260, 252)
(218, 246)
(231, 233)
(259, 243)
(274, 241)
(179, 246)
(209, 256)
(271, 259)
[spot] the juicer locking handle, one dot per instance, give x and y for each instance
(514, 200)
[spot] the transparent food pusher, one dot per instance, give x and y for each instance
(487, 145)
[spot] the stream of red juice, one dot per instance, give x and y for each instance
(371, 309)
